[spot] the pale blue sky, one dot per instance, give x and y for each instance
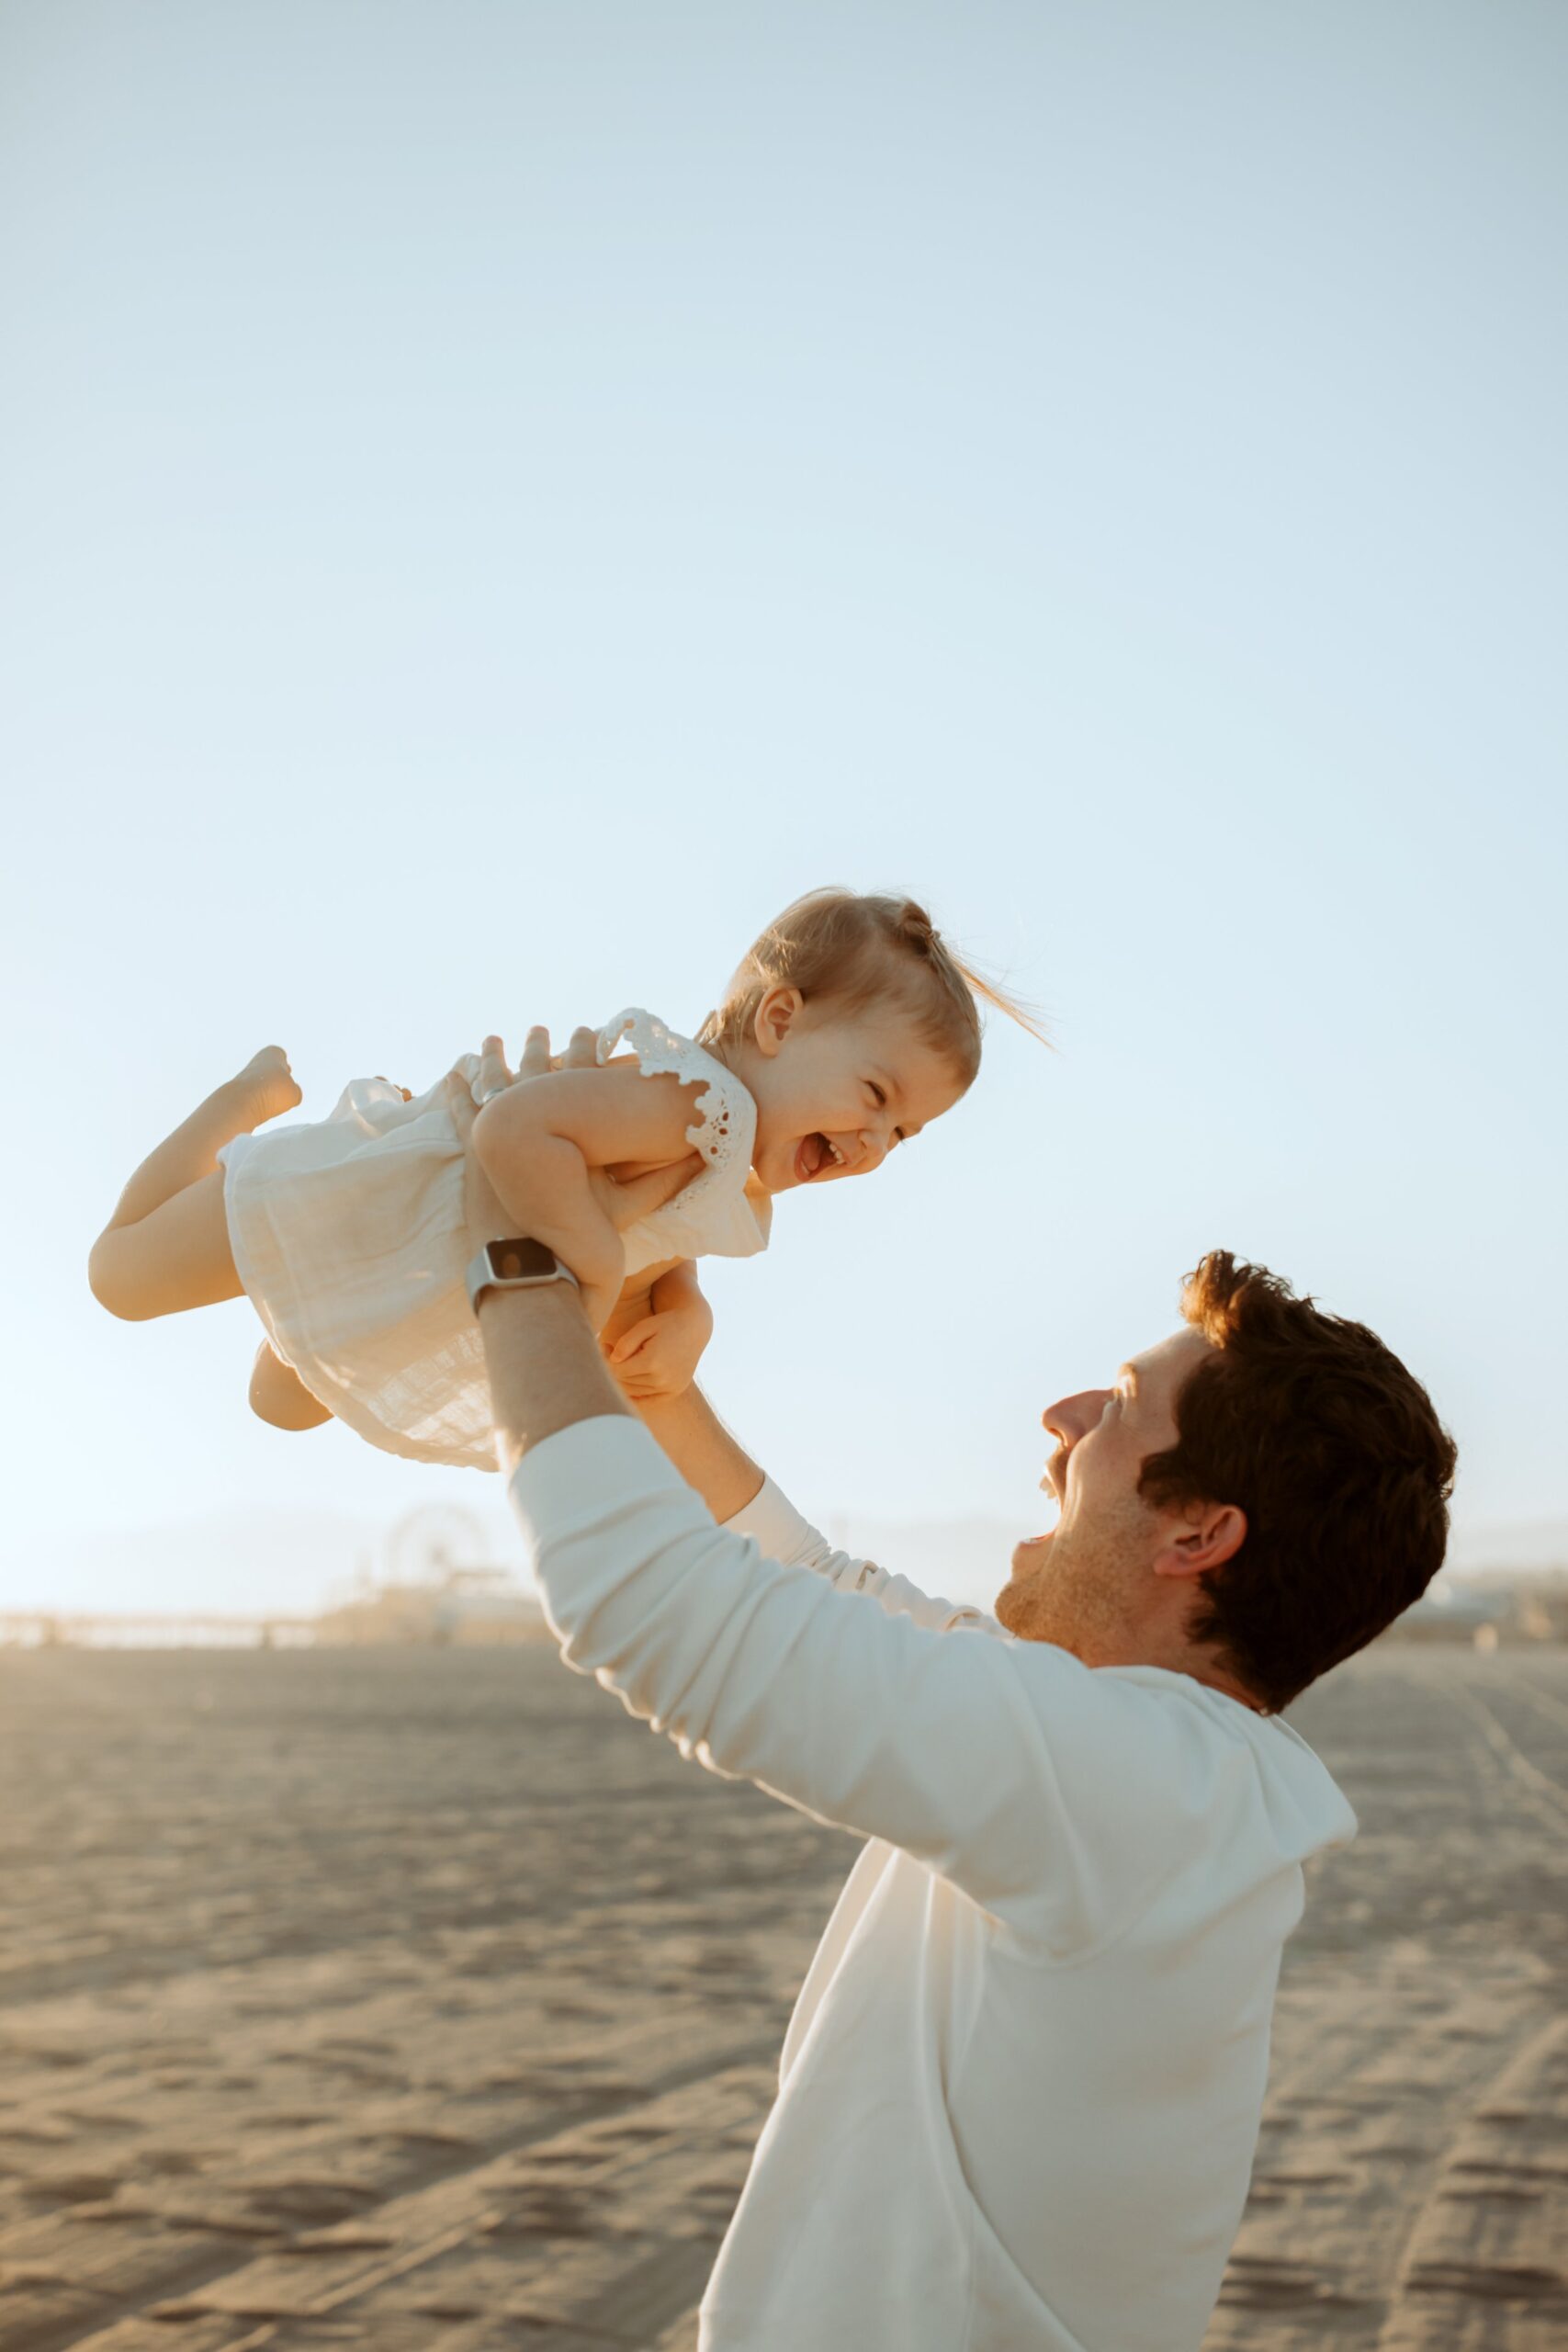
(496, 499)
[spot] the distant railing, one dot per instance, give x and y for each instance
(56, 1629)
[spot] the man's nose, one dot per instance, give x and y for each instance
(1070, 1416)
(873, 1149)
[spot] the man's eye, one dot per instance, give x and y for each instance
(878, 1092)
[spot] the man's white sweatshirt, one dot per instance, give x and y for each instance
(1021, 2091)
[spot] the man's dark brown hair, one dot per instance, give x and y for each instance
(1315, 1429)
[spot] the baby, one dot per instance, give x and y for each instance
(848, 1027)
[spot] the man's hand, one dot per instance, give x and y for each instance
(623, 1203)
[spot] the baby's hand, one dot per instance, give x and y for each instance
(658, 1356)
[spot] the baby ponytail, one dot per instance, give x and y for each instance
(854, 947)
(915, 929)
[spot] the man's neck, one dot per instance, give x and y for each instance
(1214, 1677)
(1173, 1658)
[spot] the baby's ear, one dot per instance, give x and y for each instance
(776, 1015)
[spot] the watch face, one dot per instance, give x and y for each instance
(514, 1262)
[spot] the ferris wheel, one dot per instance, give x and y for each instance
(433, 1542)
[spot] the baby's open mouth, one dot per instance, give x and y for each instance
(814, 1154)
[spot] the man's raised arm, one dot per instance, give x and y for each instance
(759, 1668)
(704, 1452)
(741, 1496)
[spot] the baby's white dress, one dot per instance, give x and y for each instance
(349, 1237)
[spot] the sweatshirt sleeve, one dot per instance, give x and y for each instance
(780, 1532)
(860, 1717)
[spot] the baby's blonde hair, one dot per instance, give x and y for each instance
(850, 948)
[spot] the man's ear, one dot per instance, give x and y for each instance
(777, 1014)
(1203, 1537)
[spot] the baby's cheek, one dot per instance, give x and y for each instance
(771, 1134)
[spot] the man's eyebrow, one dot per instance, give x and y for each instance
(1127, 1372)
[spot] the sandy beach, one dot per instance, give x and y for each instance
(423, 2000)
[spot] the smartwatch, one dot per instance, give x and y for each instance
(520, 1264)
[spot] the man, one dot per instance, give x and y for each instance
(1021, 2091)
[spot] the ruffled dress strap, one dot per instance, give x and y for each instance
(726, 1114)
(716, 1215)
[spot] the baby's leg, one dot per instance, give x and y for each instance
(176, 1257)
(264, 1090)
(166, 1246)
(279, 1397)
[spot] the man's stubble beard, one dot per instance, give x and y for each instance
(1080, 1596)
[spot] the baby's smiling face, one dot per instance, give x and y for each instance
(835, 1093)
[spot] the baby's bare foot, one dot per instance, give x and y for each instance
(264, 1090)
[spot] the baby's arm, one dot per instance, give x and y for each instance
(655, 1340)
(537, 1143)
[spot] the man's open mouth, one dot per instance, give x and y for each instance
(814, 1156)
